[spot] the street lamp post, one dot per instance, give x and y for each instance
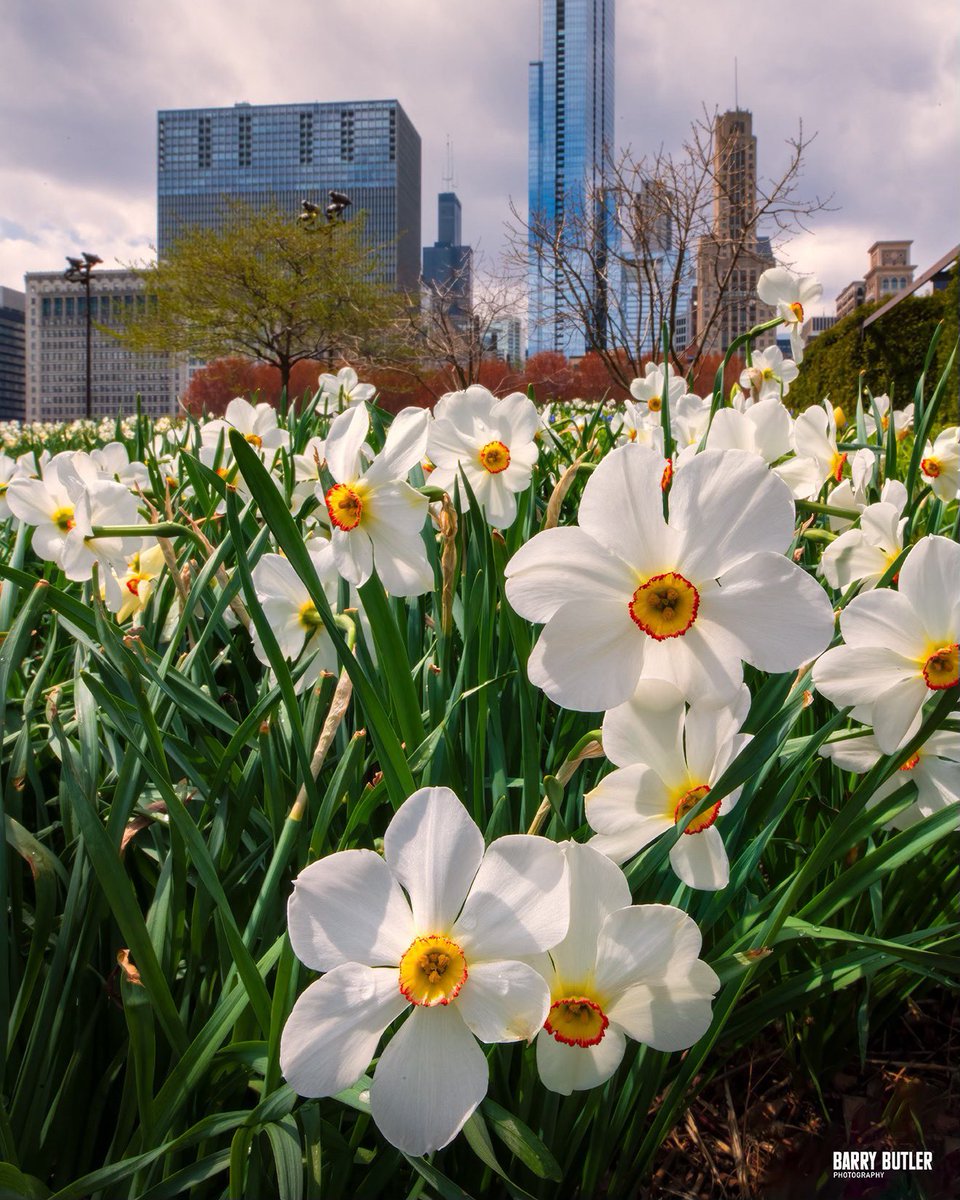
(79, 271)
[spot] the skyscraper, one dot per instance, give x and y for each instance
(56, 350)
(571, 136)
(12, 354)
(282, 154)
(448, 265)
(733, 256)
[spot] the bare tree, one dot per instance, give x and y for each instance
(672, 221)
(446, 344)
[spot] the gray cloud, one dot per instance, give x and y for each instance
(80, 85)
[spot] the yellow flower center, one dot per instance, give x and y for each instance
(942, 668)
(254, 439)
(308, 617)
(494, 457)
(632, 435)
(837, 465)
(63, 518)
(655, 403)
(576, 1021)
(931, 467)
(344, 506)
(910, 763)
(665, 606)
(689, 800)
(766, 373)
(797, 309)
(885, 422)
(432, 971)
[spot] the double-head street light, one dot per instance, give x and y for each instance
(79, 271)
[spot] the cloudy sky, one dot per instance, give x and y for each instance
(81, 81)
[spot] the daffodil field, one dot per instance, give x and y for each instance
(431, 804)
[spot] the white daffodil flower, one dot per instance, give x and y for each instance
(104, 502)
(491, 441)
(128, 591)
(258, 424)
(940, 465)
(292, 614)
(113, 462)
(376, 516)
(47, 505)
(626, 595)
(902, 419)
(648, 391)
(791, 295)
(934, 770)
(639, 426)
(10, 469)
(668, 757)
(865, 554)
(346, 385)
(622, 971)
(435, 930)
(817, 457)
(769, 375)
(765, 428)
(901, 646)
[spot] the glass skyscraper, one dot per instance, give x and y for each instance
(282, 154)
(571, 138)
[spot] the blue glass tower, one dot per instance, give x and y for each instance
(571, 138)
(281, 154)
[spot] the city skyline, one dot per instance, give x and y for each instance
(77, 158)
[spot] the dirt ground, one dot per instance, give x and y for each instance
(760, 1131)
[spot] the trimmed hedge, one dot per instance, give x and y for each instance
(890, 354)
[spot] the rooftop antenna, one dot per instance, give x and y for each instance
(736, 87)
(449, 172)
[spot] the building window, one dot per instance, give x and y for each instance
(306, 138)
(346, 135)
(204, 142)
(245, 140)
(162, 145)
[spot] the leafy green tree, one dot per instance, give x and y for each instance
(267, 288)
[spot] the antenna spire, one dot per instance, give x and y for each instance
(449, 171)
(736, 86)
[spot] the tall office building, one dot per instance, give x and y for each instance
(571, 138)
(282, 154)
(733, 256)
(647, 272)
(12, 354)
(56, 350)
(448, 265)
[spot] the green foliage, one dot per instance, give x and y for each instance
(160, 790)
(268, 288)
(889, 355)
